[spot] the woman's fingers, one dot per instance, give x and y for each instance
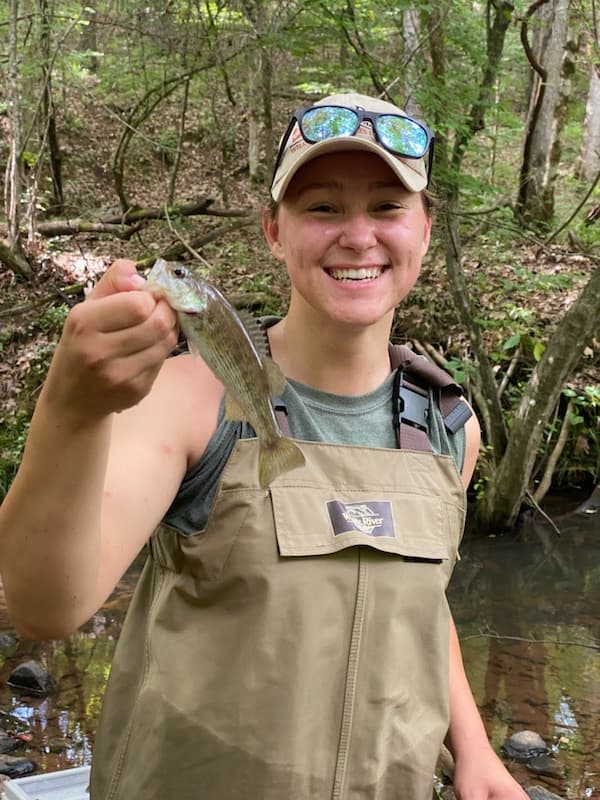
(113, 346)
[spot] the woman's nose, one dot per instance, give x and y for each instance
(358, 232)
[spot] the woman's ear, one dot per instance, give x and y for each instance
(271, 232)
(426, 234)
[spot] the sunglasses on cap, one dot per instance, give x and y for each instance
(401, 135)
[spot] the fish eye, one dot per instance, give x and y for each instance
(180, 272)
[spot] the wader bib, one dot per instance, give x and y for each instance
(297, 647)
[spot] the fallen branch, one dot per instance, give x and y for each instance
(76, 226)
(124, 226)
(57, 294)
(529, 640)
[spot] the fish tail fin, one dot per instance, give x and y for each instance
(277, 458)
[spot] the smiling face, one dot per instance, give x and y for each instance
(352, 238)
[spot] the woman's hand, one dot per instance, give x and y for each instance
(481, 775)
(112, 347)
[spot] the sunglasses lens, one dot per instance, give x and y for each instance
(402, 135)
(327, 122)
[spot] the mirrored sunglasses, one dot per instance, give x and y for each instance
(401, 135)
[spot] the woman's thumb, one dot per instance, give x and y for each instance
(121, 276)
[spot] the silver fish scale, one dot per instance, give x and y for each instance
(229, 351)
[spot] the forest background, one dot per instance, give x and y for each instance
(146, 130)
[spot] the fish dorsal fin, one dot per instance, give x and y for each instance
(255, 331)
(275, 377)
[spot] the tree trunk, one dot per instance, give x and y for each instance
(89, 35)
(14, 168)
(267, 109)
(178, 151)
(254, 116)
(50, 136)
(505, 495)
(547, 109)
(410, 79)
(260, 90)
(590, 147)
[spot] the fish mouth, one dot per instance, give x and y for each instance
(355, 274)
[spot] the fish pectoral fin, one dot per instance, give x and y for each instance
(233, 411)
(275, 377)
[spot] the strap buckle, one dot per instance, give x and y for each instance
(408, 405)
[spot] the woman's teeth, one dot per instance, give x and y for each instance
(355, 274)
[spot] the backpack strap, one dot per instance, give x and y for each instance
(279, 407)
(281, 415)
(410, 396)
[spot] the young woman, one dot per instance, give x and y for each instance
(293, 642)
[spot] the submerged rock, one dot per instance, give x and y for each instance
(15, 767)
(525, 745)
(539, 793)
(545, 765)
(8, 743)
(7, 640)
(31, 677)
(591, 505)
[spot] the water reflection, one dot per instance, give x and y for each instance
(62, 726)
(528, 611)
(528, 614)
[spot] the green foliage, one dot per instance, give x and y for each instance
(52, 319)
(109, 58)
(13, 431)
(165, 146)
(581, 457)
(12, 443)
(29, 159)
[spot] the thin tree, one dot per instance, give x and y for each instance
(14, 167)
(549, 93)
(589, 164)
(13, 254)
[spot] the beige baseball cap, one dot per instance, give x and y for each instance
(412, 172)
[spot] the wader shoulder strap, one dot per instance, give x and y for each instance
(414, 378)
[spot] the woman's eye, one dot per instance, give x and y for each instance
(323, 208)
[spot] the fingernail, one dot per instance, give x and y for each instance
(136, 281)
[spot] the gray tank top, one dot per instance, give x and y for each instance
(315, 416)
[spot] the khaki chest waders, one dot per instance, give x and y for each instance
(297, 647)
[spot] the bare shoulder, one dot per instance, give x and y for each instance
(472, 442)
(169, 429)
(186, 397)
(179, 415)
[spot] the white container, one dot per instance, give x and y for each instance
(68, 784)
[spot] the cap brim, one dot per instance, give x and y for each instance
(411, 173)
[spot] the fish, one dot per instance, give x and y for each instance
(217, 334)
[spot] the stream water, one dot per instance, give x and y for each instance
(527, 608)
